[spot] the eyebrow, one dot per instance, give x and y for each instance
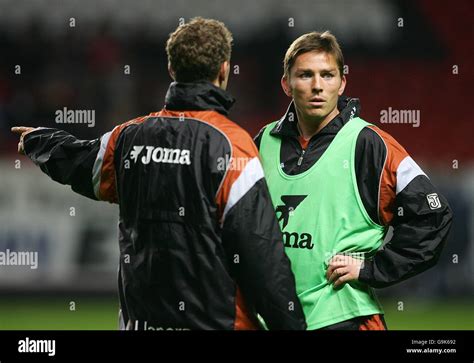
(304, 70)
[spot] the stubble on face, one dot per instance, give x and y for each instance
(315, 84)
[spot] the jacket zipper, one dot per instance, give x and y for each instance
(300, 160)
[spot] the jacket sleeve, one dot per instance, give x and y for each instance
(253, 241)
(67, 160)
(420, 216)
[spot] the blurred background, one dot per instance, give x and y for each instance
(109, 56)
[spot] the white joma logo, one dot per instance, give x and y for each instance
(161, 155)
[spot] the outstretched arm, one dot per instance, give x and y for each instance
(67, 160)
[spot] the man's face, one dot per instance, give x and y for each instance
(315, 84)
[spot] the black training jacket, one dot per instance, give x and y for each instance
(200, 247)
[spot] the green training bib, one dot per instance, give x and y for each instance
(321, 214)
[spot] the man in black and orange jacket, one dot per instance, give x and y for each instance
(200, 247)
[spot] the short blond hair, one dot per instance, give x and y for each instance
(314, 41)
(197, 49)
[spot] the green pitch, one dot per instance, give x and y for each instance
(58, 313)
(429, 315)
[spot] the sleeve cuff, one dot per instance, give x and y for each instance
(27, 136)
(366, 272)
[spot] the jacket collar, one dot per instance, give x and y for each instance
(348, 108)
(201, 95)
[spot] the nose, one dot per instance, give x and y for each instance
(317, 85)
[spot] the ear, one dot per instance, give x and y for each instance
(171, 72)
(285, 84)
(224, 72)
(342, 86)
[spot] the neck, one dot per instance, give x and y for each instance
(309, 127)
(218, 83)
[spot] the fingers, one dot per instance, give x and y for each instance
(21, 147)
(335, 262)
(341, 280)
(20, 129)
(342, 269)
(331, 268)
(337, 273)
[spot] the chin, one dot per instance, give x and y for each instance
(317, 113)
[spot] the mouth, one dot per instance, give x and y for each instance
(316, 102)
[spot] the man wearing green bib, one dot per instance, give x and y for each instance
(337, 183)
